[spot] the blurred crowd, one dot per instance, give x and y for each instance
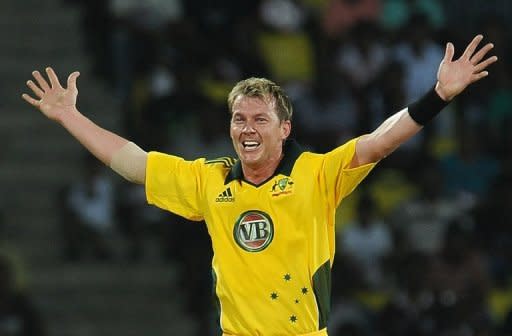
(423, 244)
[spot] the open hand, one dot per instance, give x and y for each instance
(53, 100)
(454, 76)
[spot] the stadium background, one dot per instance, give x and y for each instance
(435, 257)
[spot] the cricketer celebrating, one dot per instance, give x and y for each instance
(270, 213)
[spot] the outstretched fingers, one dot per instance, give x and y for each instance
(54, 80)
(43, 84)
(37, 91)
(478, 76)
(470, 49)
(481, 53)
(30, 100)
(481, 66)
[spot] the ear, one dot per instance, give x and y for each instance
(286, 128)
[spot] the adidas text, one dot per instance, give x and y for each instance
(225, 196)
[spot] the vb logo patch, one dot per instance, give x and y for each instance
(253, 231)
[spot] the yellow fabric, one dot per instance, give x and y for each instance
(322, 332)
(268, 291)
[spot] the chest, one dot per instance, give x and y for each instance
(280, 196)
(282, 209)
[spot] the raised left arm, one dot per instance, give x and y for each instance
(452, 78)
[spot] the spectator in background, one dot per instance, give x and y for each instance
(327, 115)
(396, 13)
(469, 172)
(422, 220)
(88, 214)
(495, 27)
(347, 310)
(216, 19)
(137, 222)
(361, 61)
(137, 37)
(18, 314)
(459, 277)
(418, 52)
(285, 45)
(493, 227)
(96, 24)
(363, 57)
(367, 240)
(392, 86)
(341, 15)
(500, 114)
(409, 310)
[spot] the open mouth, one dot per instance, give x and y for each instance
(250, 145)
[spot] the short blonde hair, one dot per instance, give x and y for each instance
(264, 89)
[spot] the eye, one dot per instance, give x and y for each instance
(261, 120)
(237, 119)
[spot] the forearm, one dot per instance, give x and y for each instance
(59, 104)
(394, 131)
(124, 157)
(99, 141)
(399, 128)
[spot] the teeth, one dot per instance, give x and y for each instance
(250, 143)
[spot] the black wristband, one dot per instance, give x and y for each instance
(427, 107)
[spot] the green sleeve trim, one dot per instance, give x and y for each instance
(226, 161)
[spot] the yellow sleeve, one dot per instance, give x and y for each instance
(339, 179)
(175, 185)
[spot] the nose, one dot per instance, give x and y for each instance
(248, 128)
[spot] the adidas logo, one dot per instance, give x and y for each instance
(225, 196)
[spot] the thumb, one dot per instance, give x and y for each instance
(72, 80)
(450, 50)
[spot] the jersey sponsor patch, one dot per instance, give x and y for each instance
(253, 231)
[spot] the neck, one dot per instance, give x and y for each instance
(259, 174)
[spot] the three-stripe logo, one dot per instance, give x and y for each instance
(225, 196)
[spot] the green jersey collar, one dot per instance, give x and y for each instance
(292, 151)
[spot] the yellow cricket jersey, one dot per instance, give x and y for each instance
(273, 243)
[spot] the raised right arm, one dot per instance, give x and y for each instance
(59, 104)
